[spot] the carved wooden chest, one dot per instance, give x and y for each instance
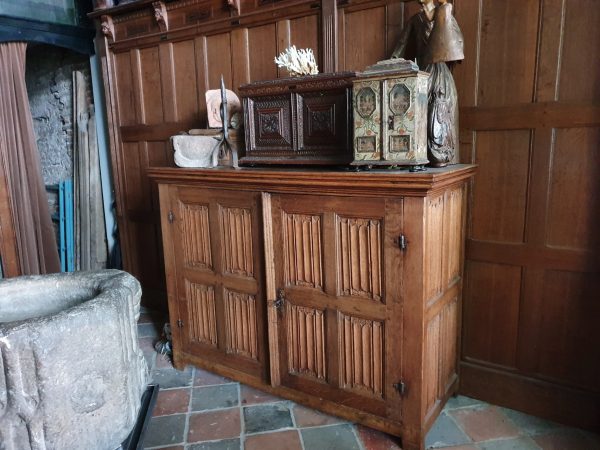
(302, 120)
(390, 114)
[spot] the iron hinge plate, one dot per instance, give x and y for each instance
(400, 386)
(402, 242)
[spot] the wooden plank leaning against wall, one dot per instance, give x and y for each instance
(530, 92)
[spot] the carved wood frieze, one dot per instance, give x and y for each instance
(240, 324)
(201, 309)
(196, 236)
(236, 229)
(306, 341)
(359, 257)
(303, 256)
(361, 355)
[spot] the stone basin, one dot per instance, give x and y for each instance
(71, 371)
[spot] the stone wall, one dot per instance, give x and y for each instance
(49, 76)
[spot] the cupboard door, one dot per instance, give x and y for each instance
(337, 317)
(218, 263)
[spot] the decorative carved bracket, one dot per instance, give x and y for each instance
(234, 5)
(160, 14)
(107, 27)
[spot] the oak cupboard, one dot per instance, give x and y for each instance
(335, 289)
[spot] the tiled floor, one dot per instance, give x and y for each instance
(198, 410)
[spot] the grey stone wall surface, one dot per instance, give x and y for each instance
(49, 78)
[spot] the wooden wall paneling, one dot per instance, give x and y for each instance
(218, 58)
(507, 52)
(574, 183)
(466, 73)
(167, 80)
(284, 40)
(500, 186)
(568, 333)
(549, 54)
(201, 55)
(123, 88)
(580, 54)
(186, 96)
(150, 86)
(329, 33)
(491, 314)
(240, 47)
(304, 33)
(361, 32)
(262, 46)
(394, 22)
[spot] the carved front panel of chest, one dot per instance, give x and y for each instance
(359, 253)
(303, 256)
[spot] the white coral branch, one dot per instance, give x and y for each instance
(298, 61)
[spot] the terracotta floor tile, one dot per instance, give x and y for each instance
(306, 417)
(204, 378)
(171, 402)
(484, 424)
(376, 440)
(251, 396)
(566, 439)
(210, 426)
(288, 440)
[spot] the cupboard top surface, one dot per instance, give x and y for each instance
(325, 181)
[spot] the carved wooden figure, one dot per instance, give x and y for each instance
(433, 37)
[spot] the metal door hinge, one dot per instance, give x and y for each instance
(179, 323)
(402, 242)
(171, 217)
(400, 386)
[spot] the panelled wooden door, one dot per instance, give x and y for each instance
(217, 247)
(334, 256)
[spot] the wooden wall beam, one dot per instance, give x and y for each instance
(530, 115)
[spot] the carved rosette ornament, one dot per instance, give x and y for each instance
(107, 27)
(160, 15)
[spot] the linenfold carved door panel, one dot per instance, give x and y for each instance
(216, 240)
(337, 275)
